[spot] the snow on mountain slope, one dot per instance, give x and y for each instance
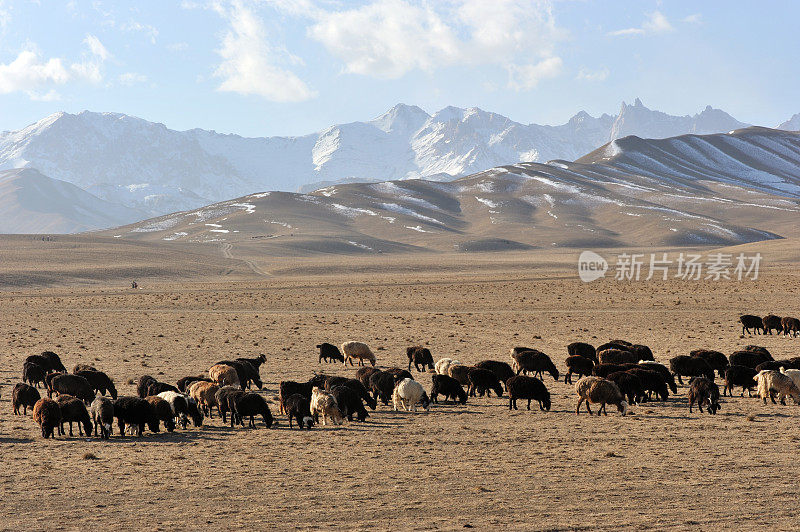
(793, 124)
(34, 203)
(690, 190)
(145, 165)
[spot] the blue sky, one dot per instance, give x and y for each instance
(289, 67)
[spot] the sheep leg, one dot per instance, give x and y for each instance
(510, 403)
(587, 407)
(529, 404)
(578, 409)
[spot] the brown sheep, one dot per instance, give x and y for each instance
(205, 395)
(771, 321)
(223, 375)
(47, 414)
(599, 391)
(460, 373)
(790, 325)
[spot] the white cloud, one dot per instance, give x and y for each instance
(250, 64)
(593, 75)
(31, 73)
(653, 24)
(526, 77)
(132, 78)
(49, 96)
(389, 38)
(695, 18)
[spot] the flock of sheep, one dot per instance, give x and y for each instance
(786, 325)
(616, 373)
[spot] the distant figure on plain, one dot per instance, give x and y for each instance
(134, 284)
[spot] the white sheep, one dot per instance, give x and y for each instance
(794, 374)
(324, 403)
(771, 382)
(357, 350)
(178, 403)
(443, 363)
(408, 393)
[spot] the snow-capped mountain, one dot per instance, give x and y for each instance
(145, 165)
(793, 124)
(34, 203)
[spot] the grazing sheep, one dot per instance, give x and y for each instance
(750, 359)
(579, 365)
(354, 384)
(223, 375)
(771, 321)
(419, 356)
(184, 382)
(535, 362)
(364, 373)
(82, 367)
(246, 372)
(33, 374)
(289, 388)
(40, 361)
(794, 374)
(743, 376)
(73, 385)
(642, 352)
(759, 349)
(99, 381)
(629, 385)
(24, 396)
(777, 365)
(622, 345)
(55, 361)
(685, 365)
(249, 405)
(136, 412)
(329, 353)
(357, 350)
(617, 356)
(179, 404)
(717, 360)
(381, 384)
(604, 370)
(349, 402)
(205, 395)
(449, 388)
(502, 370)
(705, 393)
(47, 414)
(48, 382)
(409, 392)
(102, 412)
(652, 381)
(73, 410)
(749, 321)
(142, 385)
(223, 404)
(530, 388)
(770, 382)
(323, 403)
(599, 391)
(790, 325)
(252, 368)
(399, 374)
(298, 407)
(582, 349)
(459, 372)
(482, 381)
(156, 388)
(163, 411)
(443, 364)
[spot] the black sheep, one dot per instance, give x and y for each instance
(33, 373)
(252, 367)
(629, 385)
(449, 388)
(771, 321)
(47, 414)
(381, 384)
(250, 405)
(687, 366)
(642, 352)
(354, 384)
(749, 321)
(775, 365)
(481, 381)
(142, 385)
(651, 381)
(751, 359)
(223, 404)
(48, 382)
(73, 385)
(582, 349)
(419, 356)
(137, 412)
(663, 371)
(24, 396)
(329, 353)
(530, 388)
(617, 356)
(349, 402)
(759, 349)
(614, 344)
(73, 410)
(705, 393)
(399, 374)
(184, 382)
(82, 367)
(246, 373)
(156, 388)
(55, 361)
(718, 361)
(289, 388)
(100, 382)
(40, 361)
(739, 376)
(503, 370)
(536, 362)
(579, 365)
(364, 373)
(298, 407)
(604, 370)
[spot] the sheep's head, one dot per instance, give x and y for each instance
(545, 403)
(623, 407)
(425, 402)
(554, 373)
(498, 389)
